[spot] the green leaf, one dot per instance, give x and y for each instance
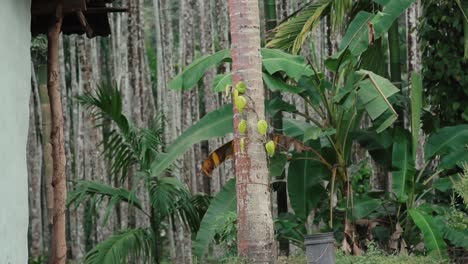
(403, 166)
(433, 238)
(121, 247)
(289, 31)
(316, 132)
(416, 109)
(195, 71)
(215, 124)
(364, 206)
(168, 195)
(95, 191)
(449, 141)
(277, 164)
(221, 81)
(356, 38)
(223, 203)
(373, 93)
(275, 84)
(442, 184)
(293, 66)
(277, 105)
(304, 188)
(295, 128)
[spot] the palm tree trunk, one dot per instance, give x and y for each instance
(210, 98)
(59, 244)
(414, 62)
(189, 104)
(255, 234)
(48, 170)
(222, 35)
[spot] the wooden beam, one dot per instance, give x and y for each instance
(94, 10)
(43, 7)
(84, 23)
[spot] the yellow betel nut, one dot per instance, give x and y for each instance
(240, 103)
(270, 148)
(241, 87)
(262, 127)
(242, 126)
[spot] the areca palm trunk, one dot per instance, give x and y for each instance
(255, 234)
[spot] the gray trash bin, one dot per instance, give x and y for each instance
(320, 248)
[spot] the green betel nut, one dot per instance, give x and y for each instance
(241, 87)
(270, 148)
(242, 126)
(262, 127)
(240, 103)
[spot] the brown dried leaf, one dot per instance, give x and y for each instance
(395, 237)
(226, 151)
(345, 246)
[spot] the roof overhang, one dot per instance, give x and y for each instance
(79, 16)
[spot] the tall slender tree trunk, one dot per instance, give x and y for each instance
(414, 63)
(255, 235)
(59, 244)
(47, 161)
(189, 102)
(210, 98)
(222, 33)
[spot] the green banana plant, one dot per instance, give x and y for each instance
(220, 206)
(338, 104)
(412, 186)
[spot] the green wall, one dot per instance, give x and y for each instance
(15, 86)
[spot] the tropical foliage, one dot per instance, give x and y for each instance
(136, 151)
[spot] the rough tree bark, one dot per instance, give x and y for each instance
(221, 175)
(256, 242)
(59, 244)
(189, 104)
(47, 189)
(210, 98)
(414, 62)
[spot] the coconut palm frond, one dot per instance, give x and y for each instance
(96, 192)
(135, 244)
(292, 33)
(286, 33)
(339, 11)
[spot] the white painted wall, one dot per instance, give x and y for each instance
(15, 86)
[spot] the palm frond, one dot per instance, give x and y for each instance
(96, 192)
(127, 145)
(135, 244)
(169, 196)
(292, 33)
(286, 33)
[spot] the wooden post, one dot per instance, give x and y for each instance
(59, 244)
